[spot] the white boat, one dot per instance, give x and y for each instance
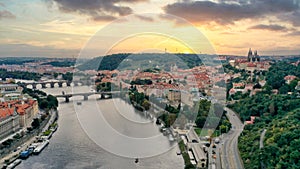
(171, 138)
(40, 147)
(14, 164)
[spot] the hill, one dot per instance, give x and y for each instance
(144, 60)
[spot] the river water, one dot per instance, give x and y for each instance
(71, 146)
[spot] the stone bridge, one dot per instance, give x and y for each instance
(52, 83)
(87, 94)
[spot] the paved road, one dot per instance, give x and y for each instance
(261, 145)
(230, 156)
(262, 136)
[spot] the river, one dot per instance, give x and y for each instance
(71, 146)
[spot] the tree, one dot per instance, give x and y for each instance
(257, 86)
(43, 104)
(293, 84)
(273, 108)
(200, 121)
(55, 75)
(146, 104)
(35, 123)
(189, 166)
(52, 102)
(284, 89)
(267, 89)
(68, 76)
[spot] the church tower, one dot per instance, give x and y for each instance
(257, 58)
(250, 55)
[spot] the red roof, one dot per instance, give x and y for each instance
(251, 65)
(21, 107)
(289, 77)
(6, 112)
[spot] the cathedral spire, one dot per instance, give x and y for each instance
(250, 55)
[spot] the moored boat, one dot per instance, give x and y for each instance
(14, 164)
(40, 147)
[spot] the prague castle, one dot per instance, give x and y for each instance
(253, 57)
(251, 63)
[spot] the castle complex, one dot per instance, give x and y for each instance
(253, 57)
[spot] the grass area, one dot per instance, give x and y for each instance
(181, 146)
(199, 130)
(216, 133)
(186, 158)
(53, 125)
(205, 132)
(46, 133)
(187, 161)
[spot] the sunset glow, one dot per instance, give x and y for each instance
(62, 28)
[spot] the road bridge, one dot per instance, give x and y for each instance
(87, 94)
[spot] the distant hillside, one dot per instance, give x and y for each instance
(65, 63)
(57, 62)
(15, 60)
(109, 62)
(144, 60)
(281, 142)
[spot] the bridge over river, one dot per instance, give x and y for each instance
(87, 94)
(52, 84)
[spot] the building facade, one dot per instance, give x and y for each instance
(9, 122)
(9, 88)
(174, 95)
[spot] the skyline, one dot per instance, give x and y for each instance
(61, 28)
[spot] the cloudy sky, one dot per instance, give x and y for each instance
(61, 28)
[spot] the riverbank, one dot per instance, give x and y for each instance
(31, 138)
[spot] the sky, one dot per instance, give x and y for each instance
(66, 28)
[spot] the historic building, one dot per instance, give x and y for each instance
(253, 57)
(174, 95)
(26, 110)
(9, 89)
(9, 121)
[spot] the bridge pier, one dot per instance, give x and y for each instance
(102, 96)
(52, 85)
(67, 99)
(33, 86)
(60, 84)
(68, 84)
(43, 85)
(85, 97)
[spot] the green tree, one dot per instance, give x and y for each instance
(35, 123)
(146, 104)
(55, 75)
